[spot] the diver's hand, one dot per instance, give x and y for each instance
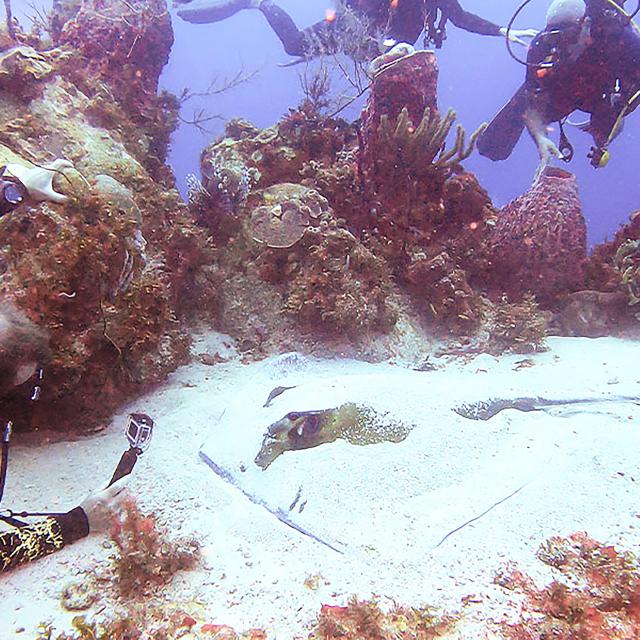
(517, 35)
(101, 505)
(547, 149)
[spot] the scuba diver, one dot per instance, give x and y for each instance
(386, 22)
(23, 348)
(586, 59)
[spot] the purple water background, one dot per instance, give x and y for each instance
(477, 77)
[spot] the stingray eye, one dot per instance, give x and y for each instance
(293, 416)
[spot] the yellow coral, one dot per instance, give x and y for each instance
(424, 146)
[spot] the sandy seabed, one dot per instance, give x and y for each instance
(393, 514)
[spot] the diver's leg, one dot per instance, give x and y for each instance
(318, 39)
(284, 27)
(500, 137)
(206, 11)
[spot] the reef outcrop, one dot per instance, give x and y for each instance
(118, 52)
(613, 273)
(106, 270)
(401, 238)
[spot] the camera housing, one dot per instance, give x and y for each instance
(138, 430)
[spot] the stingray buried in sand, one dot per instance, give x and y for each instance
(357, 424)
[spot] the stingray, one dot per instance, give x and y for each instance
(357, 424)
(304, 427)
(487, 409)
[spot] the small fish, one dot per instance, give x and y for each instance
(275, 393)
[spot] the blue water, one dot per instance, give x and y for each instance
(477, 77)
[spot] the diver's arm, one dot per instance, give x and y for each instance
(42, 538)
(475, 24)
(537, 127)
(95, 515)
(467, 20)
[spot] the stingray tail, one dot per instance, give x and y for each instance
(504, 131)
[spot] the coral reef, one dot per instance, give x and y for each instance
(124, 45)
(23, 70)
(418, 226)
(601, 271)
(612, 277)
(340, 285)
(146, 557)
(103, 255)
(597, 596)
(119, 50)
(627, 262)
(539, 240)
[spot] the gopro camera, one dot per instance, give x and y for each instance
(138, 432)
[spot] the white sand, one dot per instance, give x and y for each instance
(385, 506)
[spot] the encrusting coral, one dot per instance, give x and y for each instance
(612, 278)
(365, 619)
(627, 262)
(513, 327)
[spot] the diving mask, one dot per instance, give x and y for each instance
(12, 192)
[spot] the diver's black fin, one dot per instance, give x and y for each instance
(504, 131)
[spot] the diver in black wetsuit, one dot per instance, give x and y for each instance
(587, 59)
(387, 22)
(22, 346)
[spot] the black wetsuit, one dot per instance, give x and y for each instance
(592, 66)
(402, 21)
(24, 544)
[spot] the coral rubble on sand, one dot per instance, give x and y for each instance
(597, 596)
